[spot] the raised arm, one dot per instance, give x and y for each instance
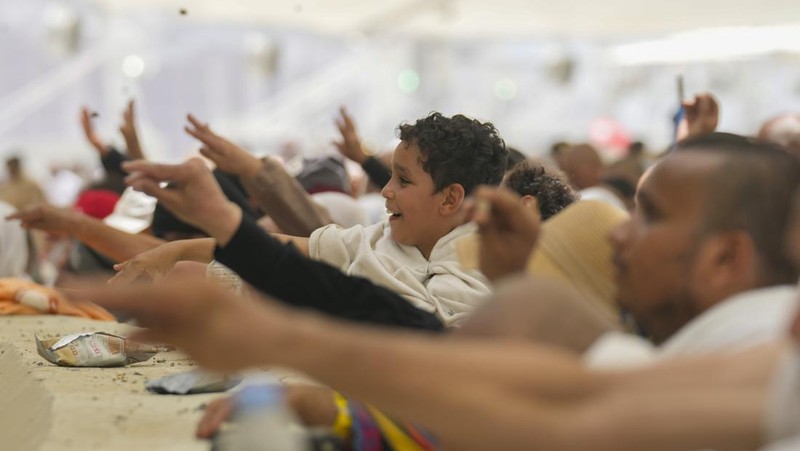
(114, 244)
(268, 262)
(89, 132)
(277, 193)
(701, 116)
(350, 147)
(128, 130)
(157, 262)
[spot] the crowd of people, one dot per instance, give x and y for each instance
(455, 293)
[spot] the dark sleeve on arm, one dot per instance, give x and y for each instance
(281, 271)
(376, 171)
(112, 162)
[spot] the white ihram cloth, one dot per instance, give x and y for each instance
(741, 321)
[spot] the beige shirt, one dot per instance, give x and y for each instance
(21, 192)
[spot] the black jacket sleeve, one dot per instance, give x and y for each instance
(376, 171)
(281, 271)
(112, 162)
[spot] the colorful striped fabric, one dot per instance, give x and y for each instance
(371, 430)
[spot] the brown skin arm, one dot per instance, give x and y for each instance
(113, 243)
(473, 394)
(540, 310)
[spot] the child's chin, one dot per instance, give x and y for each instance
(397, 237)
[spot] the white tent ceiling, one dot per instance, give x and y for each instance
(482, 18)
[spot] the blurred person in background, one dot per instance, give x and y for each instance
(783, 130)
(18, 189)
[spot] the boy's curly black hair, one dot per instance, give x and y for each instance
(457, 150)
(548, 186)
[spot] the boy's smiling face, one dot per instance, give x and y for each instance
(419, 213)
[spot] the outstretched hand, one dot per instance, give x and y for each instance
(153, 264)
(91, 136)
(350, 144)
(211, 324)
(192, 194)
(226, 155)
(45, 217)
(701, 115)
(508, 231)
(128, 130)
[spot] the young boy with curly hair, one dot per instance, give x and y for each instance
(438, 163)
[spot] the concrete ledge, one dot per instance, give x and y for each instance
(47, 407)
(27, 407)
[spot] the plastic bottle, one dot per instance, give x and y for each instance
(261, 422)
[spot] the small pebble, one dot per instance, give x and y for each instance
(94, 114)
(183, 11)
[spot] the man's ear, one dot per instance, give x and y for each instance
(454, 195)
(725, 264)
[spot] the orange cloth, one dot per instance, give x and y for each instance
(21, 297)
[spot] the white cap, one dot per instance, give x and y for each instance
(133, 212)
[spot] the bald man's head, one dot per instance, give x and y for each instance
(583, 166)
(753, 191)
(710, 222)
(783, 130)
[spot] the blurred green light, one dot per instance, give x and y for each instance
(408, 80)
(505, 89)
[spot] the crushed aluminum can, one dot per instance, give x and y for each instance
(93, 349)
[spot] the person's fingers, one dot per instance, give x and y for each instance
(33, 213)
(482, 212)
(217, 412)
(198, 135)
(502, 201)
(115, 298)
(156, 171)
(340, 126)
(149, 336)
(169, 197)
(86, 122)
(121, 265)
(347, 120)
(125, 275)
(196, 123)
(19, 214)
(216, 153)
(703, 104)
(503, 208)
(153, 304)
(209, 153)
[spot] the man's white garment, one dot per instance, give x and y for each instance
(343, 208)
(744, 320)
(439, 285)
(13, 245)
